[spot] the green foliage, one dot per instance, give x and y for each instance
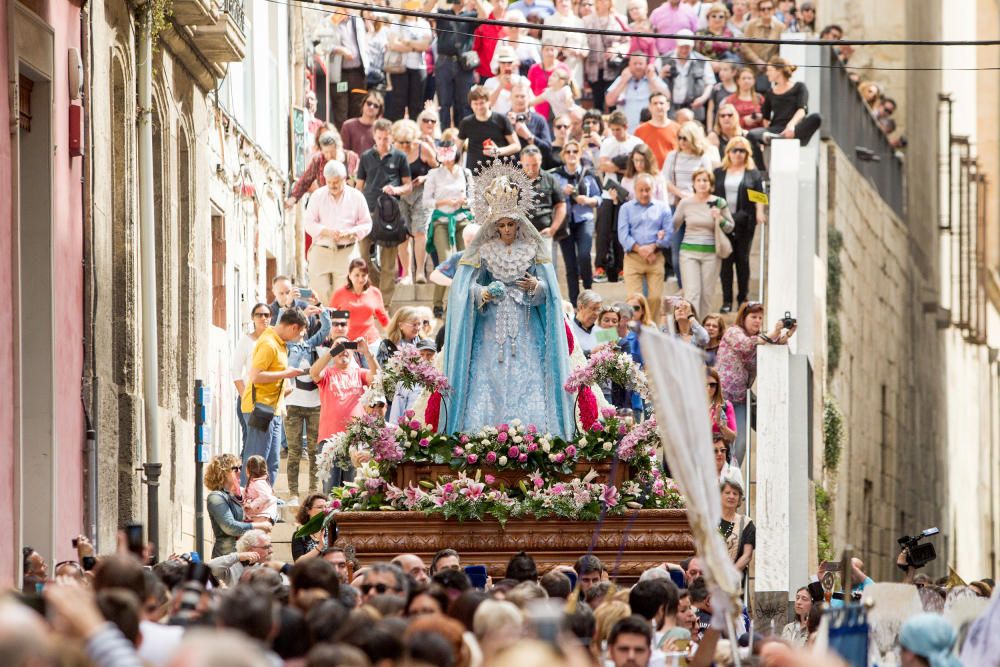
(158, 14)
(833, 434)
(834, 273)
(824, 516)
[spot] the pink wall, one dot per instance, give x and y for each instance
(7, 560)
(67, 258)
(67, 262)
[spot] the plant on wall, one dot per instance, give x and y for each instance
(834, 271)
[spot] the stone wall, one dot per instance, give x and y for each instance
(207, 171)
(889, 383)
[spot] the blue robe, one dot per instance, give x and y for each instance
(523, 377)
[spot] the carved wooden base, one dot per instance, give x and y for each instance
(407, 473)
(635, 542)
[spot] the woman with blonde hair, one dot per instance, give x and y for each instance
(404, 329)
(734, 180)
(422, 156)
(640, 309)
(715, 326)
(698, 216)
(224, 504)
(727, 126)
(605, 618)
(678, 169)
(720, 411)
(643, 161)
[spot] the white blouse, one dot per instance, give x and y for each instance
(444, 184)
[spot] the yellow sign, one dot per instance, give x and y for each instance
(757, 197)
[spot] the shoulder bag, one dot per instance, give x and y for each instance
(723, 246)
(262, 414)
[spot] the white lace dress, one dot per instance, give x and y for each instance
(506, 367)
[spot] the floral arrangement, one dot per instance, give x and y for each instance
(366, 437)
(642, 439)
(496, 290)
(408, 368)
(607, 365)
(470, 498)
(513, 446)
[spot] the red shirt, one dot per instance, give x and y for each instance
(745, 108)
(340, 394)
(365, 308)
(484, 42)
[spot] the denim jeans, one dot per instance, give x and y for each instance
(242, 419)
(575, 250)
(265, 443)
(453, 86)
(738, 449)
(675, 253)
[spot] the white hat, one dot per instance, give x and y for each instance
(685, 42)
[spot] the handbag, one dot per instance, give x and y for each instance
(263, 414)
(469, 61)
(393, 62)
(723, 246)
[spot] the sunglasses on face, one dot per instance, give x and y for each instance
(268, 314)
(636, 309)
(726, 115)
(571, 152)
(738, 150)
(236, 468)
(713, 384)
(432, 121)
(373, 105)
(720, 450)
(379, 588)
(562, 126)
(338, 324)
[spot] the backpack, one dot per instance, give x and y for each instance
(388, 224)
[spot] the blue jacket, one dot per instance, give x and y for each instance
(577, 213)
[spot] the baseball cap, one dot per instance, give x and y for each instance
(685, 33)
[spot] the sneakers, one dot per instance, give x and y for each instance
(726, 308)
(600, 276)
(294, 500)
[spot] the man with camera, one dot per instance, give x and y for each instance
(454, 69)
(264, 397)
(341, 384)
(530, 126)
(550, 202)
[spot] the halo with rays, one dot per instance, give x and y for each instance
(501, 190)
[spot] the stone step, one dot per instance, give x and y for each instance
(413, 293)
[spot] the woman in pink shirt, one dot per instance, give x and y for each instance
(341, 385)
(538, 74)
(363, 301)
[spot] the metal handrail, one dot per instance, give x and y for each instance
(236, 12)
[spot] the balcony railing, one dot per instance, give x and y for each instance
(235, 10)
(848, 122)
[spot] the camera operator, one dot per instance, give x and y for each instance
(913, 555)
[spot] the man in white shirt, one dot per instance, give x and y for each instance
(337, 217)
(631, 90)
(618, 144)
(689, 76)
(498, 87)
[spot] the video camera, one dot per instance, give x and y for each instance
(918, 555)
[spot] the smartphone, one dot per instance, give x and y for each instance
(305, 293)
(477, 575)
(133, 533)
(350, 345)
(831, 566)
(337, 349)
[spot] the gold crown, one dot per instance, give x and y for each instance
(501, 190)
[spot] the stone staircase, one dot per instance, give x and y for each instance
(281, 533)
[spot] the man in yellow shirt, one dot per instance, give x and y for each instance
(266, 384)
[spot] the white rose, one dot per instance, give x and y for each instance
(515, 422)
(518, 438)
(484, 443)
(552, 457)
(582, 442)
(607, 446)
(546, 447)
(502, 460)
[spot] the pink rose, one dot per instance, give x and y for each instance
(539, 482)
(513, 452)
(335, 504)
(560, 457)
(449, 488)
(502, 436)
(490, 479)
(532, 447)
(571, 451)
(409, 414)
(491, 457)
(503, 428)
(532, 429)
(471, 458)
(522, 458)
(623, 429)
(608, 413)
(424, 442)
(415, 425)
(458, 451)
(558, 488)
(464, 439)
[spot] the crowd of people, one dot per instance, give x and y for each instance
(332, 607)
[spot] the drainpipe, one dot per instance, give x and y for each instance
(90, 369)
(147, 249)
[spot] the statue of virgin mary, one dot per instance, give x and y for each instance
(505, 350)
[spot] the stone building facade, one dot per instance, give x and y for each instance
(220, 233)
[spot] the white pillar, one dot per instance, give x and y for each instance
(784, 395)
